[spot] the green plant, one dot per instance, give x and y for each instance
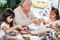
(7, 4)
(3, 5)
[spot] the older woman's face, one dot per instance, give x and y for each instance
(27, 6)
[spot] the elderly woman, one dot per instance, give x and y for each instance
(23, 16)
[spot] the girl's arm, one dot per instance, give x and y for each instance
(8, 30)
(20, 27)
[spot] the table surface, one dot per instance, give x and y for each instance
(30, 37)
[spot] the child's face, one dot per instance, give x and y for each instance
(52, 15)
(9, 19)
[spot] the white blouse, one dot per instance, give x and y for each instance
(2, 33)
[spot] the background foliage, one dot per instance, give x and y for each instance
(8, 4)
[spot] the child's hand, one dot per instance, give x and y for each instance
(15, 27)
(20, 27)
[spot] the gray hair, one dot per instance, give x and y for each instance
(23, 2)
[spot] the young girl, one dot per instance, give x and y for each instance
(6, 22)
(54, 16)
